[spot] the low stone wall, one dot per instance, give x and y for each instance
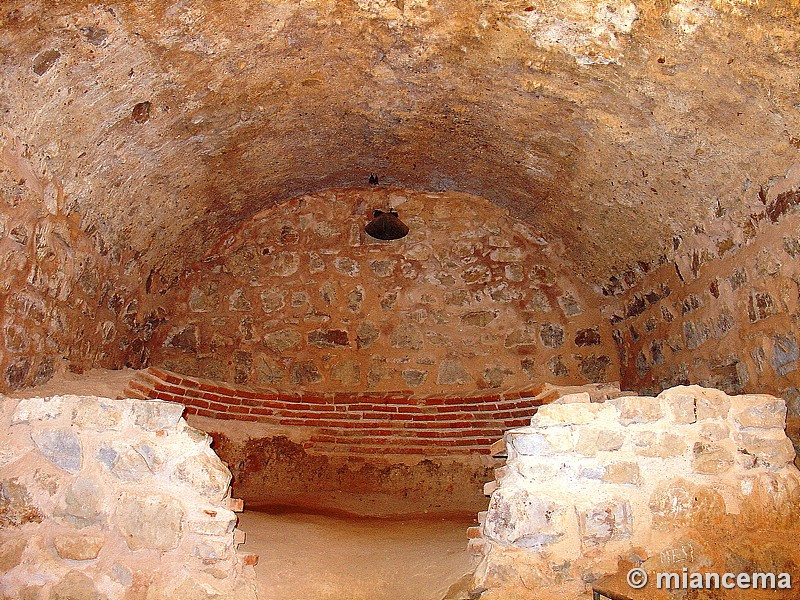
(109, 499)
(691, 478)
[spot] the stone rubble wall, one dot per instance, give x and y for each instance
(299, 297)
(723, 310)
(67, 298)
(589, 484)
(114, 499)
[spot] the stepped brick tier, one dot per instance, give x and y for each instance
(114, 499)
(364, 422)
(691, 479)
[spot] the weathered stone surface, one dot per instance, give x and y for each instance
(593, 368)
(151, 521)
(16, 505)
(516, 517)
(217, 523)
(769, 448)
(85, 546)
(367, 334)
(638, 409)
(622, 472)
(280, 341)
(347, 372)
(37, 409)
(414, 377)
(204, 299)
(204, 473)
(156, 415)
(407, 336)
(763, 411)
(785, 354)
(328, 338)
(305, 372)
(659, 444)
(479, 318)
(552, 335)
(62, 447)
(185, 338)
(578, 413)
(711, 459)
(75, 585)
(97, 413)
(452, 372)
(530, 441)
(83, 503)
(605, 522)
(682, 504)
(126, 463)
(592, 441)
(587, 337)
(11, 551)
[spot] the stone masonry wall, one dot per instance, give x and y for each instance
(67, 299)
(691, 478)
(723, 311)
(114, 499)
(301, 298)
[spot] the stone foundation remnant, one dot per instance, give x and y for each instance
(692, 478)
(114, 499)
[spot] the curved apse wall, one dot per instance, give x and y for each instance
(301, 298)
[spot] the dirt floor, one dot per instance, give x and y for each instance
(338, 557)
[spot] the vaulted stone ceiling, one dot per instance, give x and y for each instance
(611, 125)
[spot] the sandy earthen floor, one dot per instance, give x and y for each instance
(338, 557)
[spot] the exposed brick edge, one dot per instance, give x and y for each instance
(371, 423)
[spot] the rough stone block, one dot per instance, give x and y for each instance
(11, 551)
(711, 459)
(638, 409)
(714, 431)
(564, 414)
(127, 464)
(519, 518)
(16, 505)
(451, 372)
(79, 546)
(679, 503)
(99, 414)
(711, 404)
(75, 585)
(622, 472)
(679, 405)
(61, 447)
(770, 447)
(206, 474)
(592, 440)
(153, 415)
(217, 522)
(210, 549)
(658, 444)
(83, 503)
(605, 522)
(149, 520)
(548, 442)
(539, 470)
(758, 411)
(37, 409)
